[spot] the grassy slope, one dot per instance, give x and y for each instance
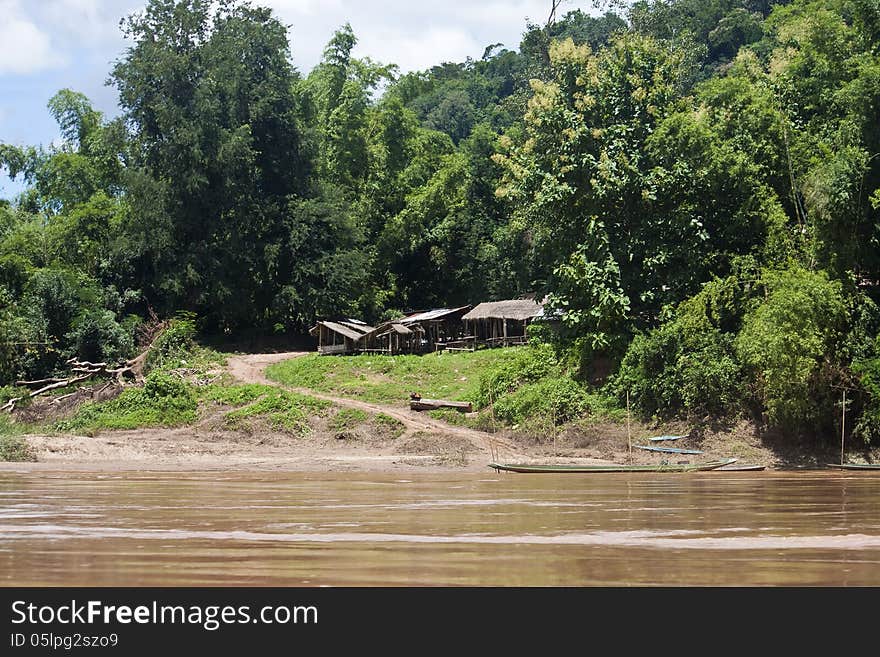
(390, 379)
(185, 389)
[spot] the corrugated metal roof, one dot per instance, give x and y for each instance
(428, 315)
(360, 327)
(349, 332)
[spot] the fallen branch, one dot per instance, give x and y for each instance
(63, 383)
(37, 382)
(132, 368)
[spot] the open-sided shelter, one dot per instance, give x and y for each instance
(501, 323)
(342, 337)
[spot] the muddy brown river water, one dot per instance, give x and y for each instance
(313, 529)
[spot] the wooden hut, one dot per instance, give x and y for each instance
(393, 338)
(342, 337)
(416, 333)
(501, 323)
(439, 326)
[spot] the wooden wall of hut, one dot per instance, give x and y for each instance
(492, 330)
(331, 342)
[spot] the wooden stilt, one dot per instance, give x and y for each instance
(842, 424)
(628, 432)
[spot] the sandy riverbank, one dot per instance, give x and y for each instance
(424, 444)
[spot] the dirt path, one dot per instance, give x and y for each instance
(250, 368)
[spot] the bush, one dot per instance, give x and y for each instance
(788, 343)
(681, 369)
(174, 343)
(688, 366)
(14, 448)
(164, 400)
(526, 365)
(532, 382)
(867, 426)
(97, 336)
(560, 399)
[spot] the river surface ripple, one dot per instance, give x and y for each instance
(312, 529)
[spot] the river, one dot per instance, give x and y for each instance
(315, 529)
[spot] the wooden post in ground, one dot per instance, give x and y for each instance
(628, 433)
(492, 412)
(842, 425)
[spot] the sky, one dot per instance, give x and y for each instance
(47, 45)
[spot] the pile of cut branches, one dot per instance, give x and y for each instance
(131, 371)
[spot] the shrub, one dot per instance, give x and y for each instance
(174, 343)
(97, 336)
(164, 400)
(867, 426)
(681, 369)
(688, 366)
(532, 382)
(14, 448)
(527, 365)
(788, 343)
(561, 399)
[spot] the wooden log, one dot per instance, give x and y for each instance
(85, 370)
(434, 404)
(38, 382)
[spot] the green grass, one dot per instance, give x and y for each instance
(348, 418)
(134, 409)
(284, 410)
(233, 395)
(390, 379)
(14, 448)
(392, 425)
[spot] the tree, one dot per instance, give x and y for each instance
(581, 179)
(216, 158)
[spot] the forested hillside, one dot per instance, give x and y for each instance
(694, 185)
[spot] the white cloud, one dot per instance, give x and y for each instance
(24, 48)
(415, 52)
(414, 35)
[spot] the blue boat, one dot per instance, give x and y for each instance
(667, 450)
(657, 439)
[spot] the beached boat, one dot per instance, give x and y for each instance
(657, 439)
(574, 469)
(667, 450)
(855, 466)
(740, 467)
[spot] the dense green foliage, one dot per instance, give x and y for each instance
(694, 185)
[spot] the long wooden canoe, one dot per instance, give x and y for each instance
(737, 467)
(667, 450)
(665, 467)
(855, 466)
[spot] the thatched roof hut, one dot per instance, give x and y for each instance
(342, 337)
(501, 323)
(517, 309)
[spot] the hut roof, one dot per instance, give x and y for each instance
(519, 309)
(352, 330)
(387, 329)
(430, 315)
